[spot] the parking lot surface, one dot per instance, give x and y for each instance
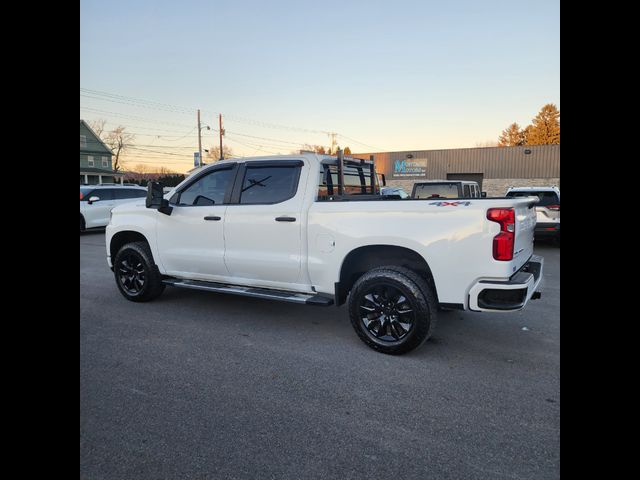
(203, 385)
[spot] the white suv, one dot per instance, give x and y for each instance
(96, 202)
(547, 209)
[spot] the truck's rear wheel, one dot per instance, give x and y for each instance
(392, 309)
(137, 276)
(82, 224)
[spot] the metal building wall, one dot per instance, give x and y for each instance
(492, 162)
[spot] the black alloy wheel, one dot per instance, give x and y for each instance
(131, 274)
(137, 276)
(386, 312)
(392, 309)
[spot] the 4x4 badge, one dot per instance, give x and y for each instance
(450, 204)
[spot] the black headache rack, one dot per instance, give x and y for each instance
(335, 191)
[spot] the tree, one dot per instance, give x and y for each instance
(347, 151)
(98, 127)
(512, 136)
(526, 134)
(118, 140)
(314, 148)
(214, 153)
(545, 127)
(141, 168)
(171, 180)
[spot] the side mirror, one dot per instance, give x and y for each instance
(155, 198)
(484, 194)
(93, 199)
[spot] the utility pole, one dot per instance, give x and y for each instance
(199, 139)
(221, 130)
(333, 142)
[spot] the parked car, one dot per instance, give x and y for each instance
(547, 209)
(284, 228)
(96, 202)
(394, 191)
(446, 189)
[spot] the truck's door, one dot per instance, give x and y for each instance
(191, 239)
(263, 223)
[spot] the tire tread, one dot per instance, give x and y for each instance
(423, 295)
(154, 286)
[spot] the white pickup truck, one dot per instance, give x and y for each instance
(314, 229)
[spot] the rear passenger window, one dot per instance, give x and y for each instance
(103, 193)
(125, 193)
(269, 184)
(467, 191)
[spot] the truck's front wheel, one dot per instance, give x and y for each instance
(392, 309)
(137, 276)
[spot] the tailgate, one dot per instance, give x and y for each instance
(525, 226)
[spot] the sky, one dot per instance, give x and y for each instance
(384, 75)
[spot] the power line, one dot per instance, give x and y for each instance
(188, 110)
(133, 101)
(257, 148)
(134, 117)
(354, 140)
(187, 135)
(180, 112)
(163, 153)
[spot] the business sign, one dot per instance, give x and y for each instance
(196, 159)
(410, 167)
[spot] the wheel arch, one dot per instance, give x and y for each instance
(126, 236)
(365, 258)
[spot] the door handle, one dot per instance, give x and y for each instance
(213, 218)
(285, 219)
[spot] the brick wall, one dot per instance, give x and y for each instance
(495, 187)
(406, 185)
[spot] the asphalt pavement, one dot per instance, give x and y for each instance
(211, 386)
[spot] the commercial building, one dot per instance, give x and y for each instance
(494, 168)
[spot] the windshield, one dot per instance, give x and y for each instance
(436, 190)
(546, 198)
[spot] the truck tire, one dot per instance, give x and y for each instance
(392, 309)
(137, 276)
(82, 224)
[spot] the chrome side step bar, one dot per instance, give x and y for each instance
(265, 293)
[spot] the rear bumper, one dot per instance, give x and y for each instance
(509, 295)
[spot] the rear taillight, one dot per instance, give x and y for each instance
(80, 195)
(554, 207)
(504, 241)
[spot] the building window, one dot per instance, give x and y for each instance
(105, 162)
(83, 141)
(90, 161)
